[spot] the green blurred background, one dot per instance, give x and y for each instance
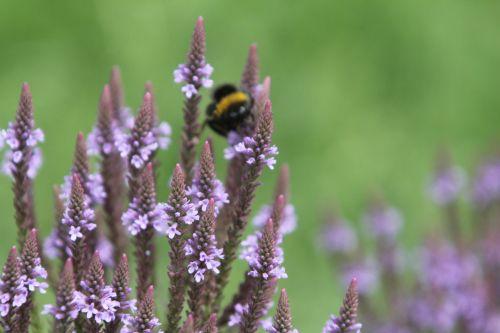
(364, 93)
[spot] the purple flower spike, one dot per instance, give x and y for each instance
(346, 321)
(22, 161)
(256, 150)
(178, 211)
(22, 139)
(205, 184)
(282, 321)
(96, 301)
(203, 258)
(144, 321)
(141, 144)
(195, 73)
(202, 249)
(65, 311)
(13, 293)
(265, 267)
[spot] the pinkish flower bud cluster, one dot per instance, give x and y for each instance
(446, 185)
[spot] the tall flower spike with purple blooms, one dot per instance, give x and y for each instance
(78, 222)
(195, 73)
(140, 146)
(180, 213)
(122, 290)
(13, 293)
(241, 206)
(95, 300)
(65, 311)
(346, 321)
(265, 267)
(22, 161)
(141, 219)
(104, 141)
(144, 321)
(205, 185)
(203, 259)
(277, 211)
(33, 275)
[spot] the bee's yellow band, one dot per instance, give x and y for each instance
(226, 102)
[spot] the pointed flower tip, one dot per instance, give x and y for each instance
(80, 137)
(199, 20)
(13, 251)
(25, 88)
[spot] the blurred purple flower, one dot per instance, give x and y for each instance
(338, 237)
(446, 185)
(486, 187)
(383, 221)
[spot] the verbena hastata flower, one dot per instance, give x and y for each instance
(244, 194)
(140, 146)
(201, 249)
(205, 185)
(143, 217)
(31, 265)
(78, 217)
(337, 237)
(265, 264)
(196, 72)
(383, 221)
(96, 300)
(22, 161)
(446, 185)
(13, 292)
(178, 211)
(486, 187)
(144, 320)
(65, 311)
(253, 152)
(122, 290)
(181, 213)
(112, 165)
(250, 253)
(22, 139)
(33, 275)
(346, 321)
(94, 184)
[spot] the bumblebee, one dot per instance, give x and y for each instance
(229, 109)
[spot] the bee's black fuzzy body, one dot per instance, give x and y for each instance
(230, 108)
